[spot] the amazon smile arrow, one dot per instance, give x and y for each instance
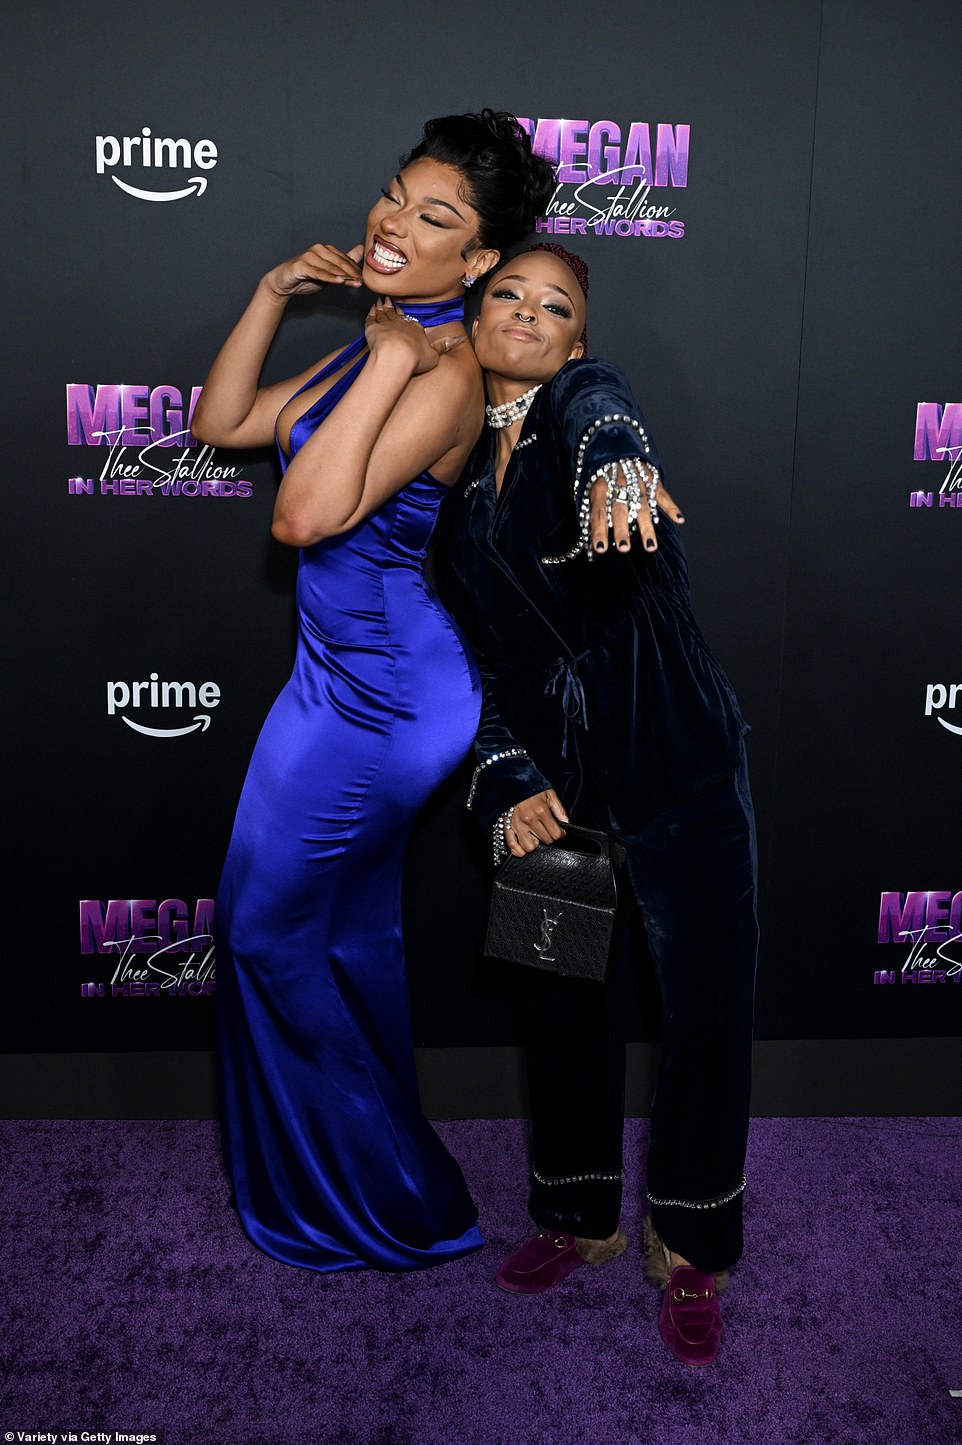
(201, 720)
(196, 186)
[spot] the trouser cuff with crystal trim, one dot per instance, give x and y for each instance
(706, 1231)
(715, 1203)
(587, 1205)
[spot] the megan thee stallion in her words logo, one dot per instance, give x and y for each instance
(157, 949)
(145, 434)
(928, 928)
(606, 173)
(938, 438)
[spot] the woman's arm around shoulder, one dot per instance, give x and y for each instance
(416, 406)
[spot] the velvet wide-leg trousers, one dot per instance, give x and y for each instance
(692, 871)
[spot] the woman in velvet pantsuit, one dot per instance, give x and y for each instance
(602, 701)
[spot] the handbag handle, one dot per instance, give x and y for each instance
(609, 851)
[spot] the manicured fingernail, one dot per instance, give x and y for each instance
(600, 546)
(623, 546)
(679, 517)
(650, 544)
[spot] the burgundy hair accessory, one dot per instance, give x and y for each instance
(575, 264)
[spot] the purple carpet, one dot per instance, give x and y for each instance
(134, 1303)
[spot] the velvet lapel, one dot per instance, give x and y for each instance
(519, 503)
(509, 485)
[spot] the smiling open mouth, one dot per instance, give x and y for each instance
(385, 259)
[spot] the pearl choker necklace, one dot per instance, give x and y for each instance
(511, 411)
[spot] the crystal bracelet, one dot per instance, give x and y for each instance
(611, 419)
(637, 475)
(499, 840)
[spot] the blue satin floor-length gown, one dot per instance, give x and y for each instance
(332, 1163)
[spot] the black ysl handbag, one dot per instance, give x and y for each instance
(555, 908)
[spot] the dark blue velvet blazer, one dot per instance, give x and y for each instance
(596, 678)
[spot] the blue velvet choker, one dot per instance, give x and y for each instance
(434, 313)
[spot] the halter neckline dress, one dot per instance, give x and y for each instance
(332, 1163)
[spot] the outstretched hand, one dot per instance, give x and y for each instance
(534, 821)
(600, 538)
(387, 328)
(320, 266)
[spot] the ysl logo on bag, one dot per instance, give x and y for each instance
(548, 922)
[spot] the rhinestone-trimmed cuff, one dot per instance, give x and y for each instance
(596, 426)
(577, 1178)
(494, 758)
(701, 1203)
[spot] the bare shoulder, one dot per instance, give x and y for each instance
(458, 371)
(454, 390)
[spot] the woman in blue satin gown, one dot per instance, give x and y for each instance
(332, 1163)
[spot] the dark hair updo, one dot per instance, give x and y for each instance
(504, 181)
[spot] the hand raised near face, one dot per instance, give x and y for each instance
(320, 266)
(387, 329)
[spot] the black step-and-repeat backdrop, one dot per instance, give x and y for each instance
(767, 199)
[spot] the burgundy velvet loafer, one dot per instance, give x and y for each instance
(690, 1321)
(539, 1264)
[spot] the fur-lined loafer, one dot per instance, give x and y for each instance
(550, 1257)
(690, 1320)
(539, 1264)
(658, 1260)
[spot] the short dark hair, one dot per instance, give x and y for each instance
(504, 181)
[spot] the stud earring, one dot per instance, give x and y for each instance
(468, 281)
